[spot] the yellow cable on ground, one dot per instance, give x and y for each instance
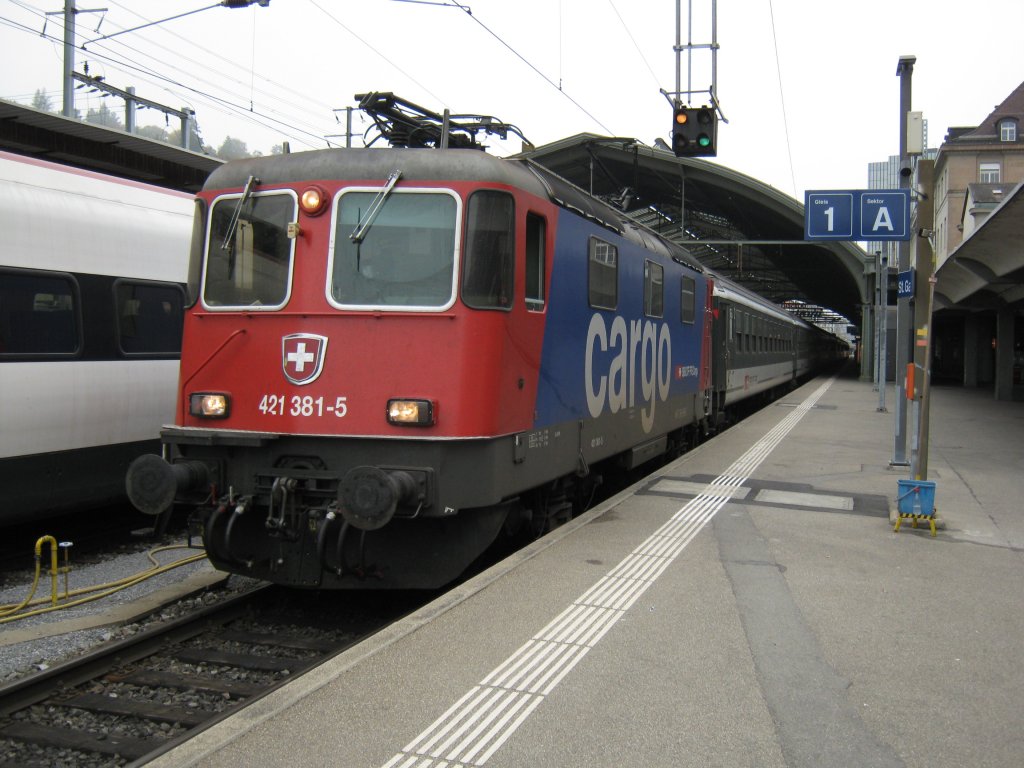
(9, 613)
(150, 571)
(6, 609)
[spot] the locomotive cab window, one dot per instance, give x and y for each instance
(654, 289)
(400, 257)
(489, 273)
(603, 275)
(249, 255)
(38, 314)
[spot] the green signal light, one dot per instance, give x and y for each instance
(704, 140)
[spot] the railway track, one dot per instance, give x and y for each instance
(127, 702)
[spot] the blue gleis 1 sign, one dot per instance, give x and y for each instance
(857, 214)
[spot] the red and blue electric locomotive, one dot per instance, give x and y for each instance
(392, 356)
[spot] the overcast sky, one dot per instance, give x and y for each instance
(809, 87)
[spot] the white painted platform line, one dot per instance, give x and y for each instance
(479, 723)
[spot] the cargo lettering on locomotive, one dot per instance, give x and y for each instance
(637, 348)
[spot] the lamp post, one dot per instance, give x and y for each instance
(904, 313)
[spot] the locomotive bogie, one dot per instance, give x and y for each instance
(288, 485)
(329, 553)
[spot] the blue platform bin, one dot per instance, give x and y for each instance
(916, 497)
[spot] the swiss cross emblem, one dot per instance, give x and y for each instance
(302, 357)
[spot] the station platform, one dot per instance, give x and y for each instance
(748, 605)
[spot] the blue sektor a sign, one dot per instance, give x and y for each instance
(857, 214)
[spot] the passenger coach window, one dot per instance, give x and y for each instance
(654, 289)
(38, 314)
(405, 256)
(250, 268)
(535, 262)
(149, 317)
(603, 279)
(687, 303)
(488, 280)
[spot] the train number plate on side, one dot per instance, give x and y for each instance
(303, 405)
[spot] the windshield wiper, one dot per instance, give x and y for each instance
(363, 226)
(233, 223)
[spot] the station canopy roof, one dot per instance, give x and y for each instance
(65, 140)
(986, 271)
(735, 225)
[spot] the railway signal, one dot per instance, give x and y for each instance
(694, 130)
(680, 131)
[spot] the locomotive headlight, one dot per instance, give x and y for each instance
(209, 405)
(416, 413)
(313, 201)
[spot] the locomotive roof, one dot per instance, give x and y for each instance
(440, 165)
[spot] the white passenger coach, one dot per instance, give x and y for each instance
(92, 270)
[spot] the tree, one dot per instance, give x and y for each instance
(154, 132)
(41, 101)
(233, 149)
(196, 145)
(104, 116)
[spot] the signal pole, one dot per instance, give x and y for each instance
(696, 133)
(689, 47)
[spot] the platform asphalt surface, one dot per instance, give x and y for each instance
(748, 605)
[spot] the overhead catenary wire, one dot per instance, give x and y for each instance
(337, 21)
(557, 86)
(266, 117)
(636, 45)
(110, 57)
(782, 98)
(247, 99)
(302, 104)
